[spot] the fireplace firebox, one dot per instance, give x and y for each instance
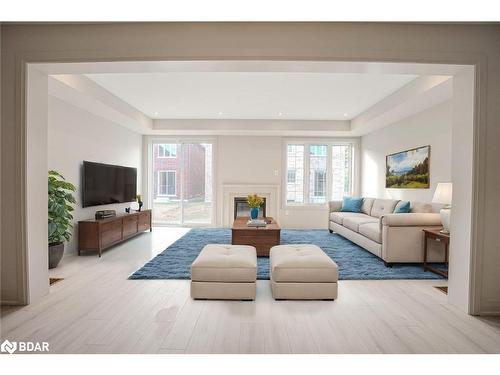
(241, 207)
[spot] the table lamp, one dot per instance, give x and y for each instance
(443, 195)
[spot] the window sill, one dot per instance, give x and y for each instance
(306, 206)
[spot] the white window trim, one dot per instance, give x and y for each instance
(354, 180)
(175, 183)
(167, 157)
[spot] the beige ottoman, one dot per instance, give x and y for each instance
(224, 272)
(302, 272)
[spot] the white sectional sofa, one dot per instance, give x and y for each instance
(394, 237)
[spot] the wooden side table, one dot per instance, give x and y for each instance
(436, 235)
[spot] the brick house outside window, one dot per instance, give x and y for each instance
(167, 162)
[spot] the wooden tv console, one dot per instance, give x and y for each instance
(97, 235)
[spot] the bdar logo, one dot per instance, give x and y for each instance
(8, 347)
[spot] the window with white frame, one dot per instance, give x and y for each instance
(318, 161)
(317, 173)
(167, 150)
(167, 183)
(341, 171)
(295, 173)
(319, 186)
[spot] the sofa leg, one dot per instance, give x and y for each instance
(331, 231)
(388, 265)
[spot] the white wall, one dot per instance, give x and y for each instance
(259, 160)
(256, 160)
(249, 160)
(431, 127)
(462, 172)
(75, 135)
(36, 213)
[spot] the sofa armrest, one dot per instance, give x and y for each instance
(334, 206)
(411, 220)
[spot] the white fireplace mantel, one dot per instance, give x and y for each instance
(230, 191)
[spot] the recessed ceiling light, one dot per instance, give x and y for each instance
(280, 114)
(156, 113)
(345, 115)
(220, 113)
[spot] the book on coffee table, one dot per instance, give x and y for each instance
(256, 223)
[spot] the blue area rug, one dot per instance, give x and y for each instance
(354, 262)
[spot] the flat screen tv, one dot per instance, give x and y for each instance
(107, 184)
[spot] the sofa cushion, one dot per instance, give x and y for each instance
(419, 207)
(301, 264)
(353, 223)
(383, 206)
(366, 208)
(371, 231)
(403, 207)
(351, 204)
(338, 217)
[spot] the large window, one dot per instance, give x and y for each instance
(182, 183)
(317, 173)
(295, 174)
(322, 173)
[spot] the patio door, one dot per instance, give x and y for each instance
(182, 183)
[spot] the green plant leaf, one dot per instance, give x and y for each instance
(60, 202)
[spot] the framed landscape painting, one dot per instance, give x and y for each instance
(408, 169)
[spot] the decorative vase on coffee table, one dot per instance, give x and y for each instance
(254, 212)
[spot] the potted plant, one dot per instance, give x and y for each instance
(254, 202)
(60, 217)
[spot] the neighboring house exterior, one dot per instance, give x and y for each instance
(167, 171)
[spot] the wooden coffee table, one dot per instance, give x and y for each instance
(262, 238)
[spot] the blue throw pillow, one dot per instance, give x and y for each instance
(403, 208)
(350, 204)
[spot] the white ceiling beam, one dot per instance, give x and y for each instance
(415, 97)
(250, 66)
(316, 128)
(82, 92)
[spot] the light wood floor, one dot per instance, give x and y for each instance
(95, 309)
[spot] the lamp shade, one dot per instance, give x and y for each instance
(443, 193)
